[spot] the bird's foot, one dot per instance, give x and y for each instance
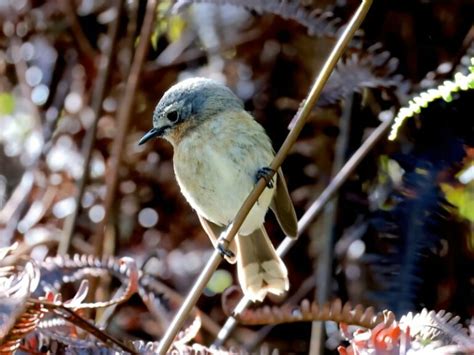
(222, 248)
(266, 173)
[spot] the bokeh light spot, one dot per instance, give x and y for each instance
(127, 187)
(352, 272)
(356, 249)
(97, 213)
(73, 102)
(55, 179)
(87, 199)
(109, 104)
(27, 51)
(148, 217)
(40, 94)
(64, 207)
(220, 280)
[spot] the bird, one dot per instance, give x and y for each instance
(219, 153)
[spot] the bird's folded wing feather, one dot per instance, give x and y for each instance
(283, 208)
(214, 231)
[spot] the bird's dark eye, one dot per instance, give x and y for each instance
(172, 116)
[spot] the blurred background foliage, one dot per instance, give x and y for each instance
(402, 227)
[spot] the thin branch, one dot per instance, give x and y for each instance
(12, 211)
(313, 211)
(302, 116)
(323, 265)
(129, 42)
(123, 121)
(103, 69)
(82, 42)
(21, 67)
(27, 181)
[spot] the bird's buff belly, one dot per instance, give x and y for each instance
(215, 186)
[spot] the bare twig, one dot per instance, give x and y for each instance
(20, 70)
(12, 211)
(82, 42)
(123, 121)
(313, 211)
(325, 256)
(130, 39)
(103, 69)
(302, 116)
(18, 203)
(28, 178)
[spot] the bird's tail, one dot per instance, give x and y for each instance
(260, 269)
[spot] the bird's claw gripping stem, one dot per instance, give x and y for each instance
(265, 173)
(222, 248)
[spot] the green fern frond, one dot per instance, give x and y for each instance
(445, 91)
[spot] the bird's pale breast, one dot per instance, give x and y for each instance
(216, 166)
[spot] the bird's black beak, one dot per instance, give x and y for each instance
(152, 133)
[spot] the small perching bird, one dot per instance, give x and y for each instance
(220, 152)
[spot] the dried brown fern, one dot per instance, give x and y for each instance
(71, 269)
(27, 322)
(310, 311)
(16, 284)
(188, 349)
(432, 325)
(157, 297)
(59, 309)
(425, 332)
(182, 345)
(318, 22)
(30, 290)
(41, 310)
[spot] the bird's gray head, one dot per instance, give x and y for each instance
(187, 104)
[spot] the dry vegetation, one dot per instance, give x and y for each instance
(97, 245)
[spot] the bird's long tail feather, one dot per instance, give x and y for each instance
(260, 269)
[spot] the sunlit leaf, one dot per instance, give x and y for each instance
(171, 26)
(461, 196)
(154, 37)
(7, 103)
(175, 28)
(461, 83)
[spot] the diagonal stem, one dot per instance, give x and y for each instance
(82, 323)
(83, 43)
(301, 117)
(313, 211)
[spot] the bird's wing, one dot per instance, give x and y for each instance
(214, 231)
(283, 208)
